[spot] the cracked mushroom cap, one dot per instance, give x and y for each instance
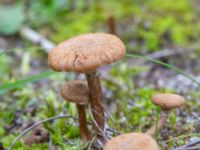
(86, 52)
(168, 101)
(132, 141)
(75, 91)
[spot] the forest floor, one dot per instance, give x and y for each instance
(127, 85)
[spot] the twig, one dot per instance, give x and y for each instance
(35, 125)
(36, 38)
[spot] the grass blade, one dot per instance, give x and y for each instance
(165, 65)
(19, 83)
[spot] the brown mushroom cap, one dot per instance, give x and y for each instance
(75, 91)
(86, 52)
(168, 101)
(132, 141)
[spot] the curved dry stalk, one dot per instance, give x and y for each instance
(108, 116)
(95, 123)
(106, 129)
(99, 141)
(91, 142)
(35, 125)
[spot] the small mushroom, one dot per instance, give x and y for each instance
(166, 102)
(77, 91)
(85, 54)
(132, 141)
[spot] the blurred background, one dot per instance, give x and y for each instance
(152, 30)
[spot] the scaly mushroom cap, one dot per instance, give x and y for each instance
(86, 53)
(75, 91)
(132, 141)
(168, 101)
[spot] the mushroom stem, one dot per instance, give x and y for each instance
(96, 100)
(162, 120)
(85, 135)
(112, 25)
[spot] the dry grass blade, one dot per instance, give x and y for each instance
(108, 116)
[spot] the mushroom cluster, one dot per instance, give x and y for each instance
(85, 54)
(144, 141)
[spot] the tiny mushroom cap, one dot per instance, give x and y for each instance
(168, 101)
(76, 91)
(132, 141)
(86, 52)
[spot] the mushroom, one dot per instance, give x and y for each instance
(112, 25)
(132, 141)
(166, 102)
(85, 54)
(77, 91)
